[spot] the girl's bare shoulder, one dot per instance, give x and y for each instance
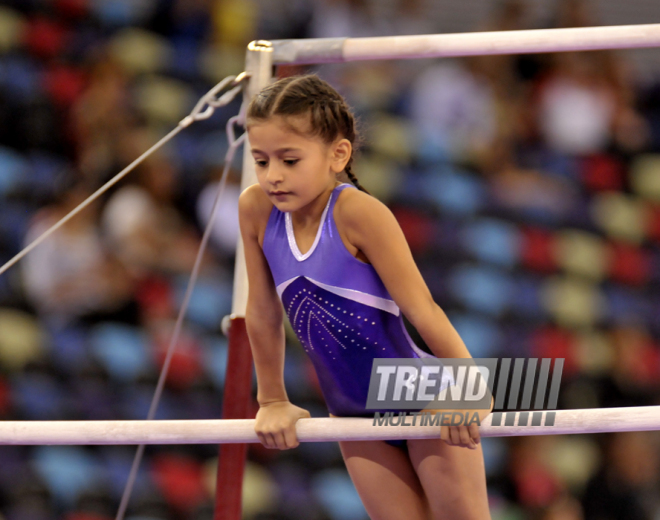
(357, 208)
(254, 208)
(253, 203)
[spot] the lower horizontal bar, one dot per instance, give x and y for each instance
(597, 420)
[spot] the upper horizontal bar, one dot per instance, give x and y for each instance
(334, 50)
(597, 420)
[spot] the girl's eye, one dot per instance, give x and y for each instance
(261, 164)
(290, 162)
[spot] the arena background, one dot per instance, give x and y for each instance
(528, 188)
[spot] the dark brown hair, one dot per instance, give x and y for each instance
(330, 115)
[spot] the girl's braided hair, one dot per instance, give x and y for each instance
(330, 115)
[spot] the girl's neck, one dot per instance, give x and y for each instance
(310, 215)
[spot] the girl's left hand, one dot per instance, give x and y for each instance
(465, 436)
(462, 436)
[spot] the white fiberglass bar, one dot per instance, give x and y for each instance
(599, 420)
(259, 67)
(334, 50)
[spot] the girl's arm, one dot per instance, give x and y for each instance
(371, 227)
(276, 418)
(264, 317)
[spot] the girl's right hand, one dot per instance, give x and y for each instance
(276, 424)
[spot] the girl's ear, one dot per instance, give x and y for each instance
(341, 153)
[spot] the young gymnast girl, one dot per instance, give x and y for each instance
(335, 259)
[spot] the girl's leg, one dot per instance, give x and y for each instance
(453, 478)
(385, 480)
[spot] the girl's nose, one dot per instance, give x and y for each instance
(274, 175)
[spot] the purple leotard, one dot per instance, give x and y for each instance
(339, 309)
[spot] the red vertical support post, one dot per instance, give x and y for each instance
(237, 393)
(235, 405)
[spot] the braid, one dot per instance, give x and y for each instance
(353, 178)
(330, 115)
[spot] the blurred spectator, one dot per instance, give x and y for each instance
(586, 102)
(342, 18)
(72, 275)
(509, 77)
(506, 71)
(576, 105)
(141, 221)
(527, 191)
(225, 222)
(100, 117)
(453, 109)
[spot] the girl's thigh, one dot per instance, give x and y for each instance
(453, 479)
(385, 480)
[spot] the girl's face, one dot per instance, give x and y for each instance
(295, 170)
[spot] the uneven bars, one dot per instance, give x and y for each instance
(597, 420)
(335, 50)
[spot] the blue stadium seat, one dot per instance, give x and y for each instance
(117, 13)
(493, 241)
(495, 454)
(135, 402)
(334, 489)
(13, 170)
(214, 148)
(215, 359)
(116, 462)
(526, 297)
(13, 460)
(69, 348)
(453, 191)
(188, 148)
(559, 164)
(209, 302)
(481, 336)
(68, 471)
(481, 289)
(431, 149)
(627, 306)
(185, 59)
(121, 349)
(14, 222)
(38, 397)
(44, 172)
(21, 78)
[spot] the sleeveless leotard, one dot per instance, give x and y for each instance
(338, 307)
